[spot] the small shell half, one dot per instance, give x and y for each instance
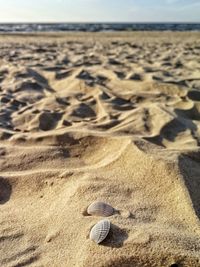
(100, 209)
(100, 231)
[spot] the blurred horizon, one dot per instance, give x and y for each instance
(97, 27)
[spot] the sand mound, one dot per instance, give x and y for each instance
(109, 119)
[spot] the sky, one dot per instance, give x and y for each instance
(100, 11)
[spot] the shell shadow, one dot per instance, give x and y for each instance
(5, 190)
(115, 238)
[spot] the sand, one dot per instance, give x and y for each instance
(108, 117)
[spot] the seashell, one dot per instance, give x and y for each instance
(100, 209)
(100, 231)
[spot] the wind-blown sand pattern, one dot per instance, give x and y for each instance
(100, 117)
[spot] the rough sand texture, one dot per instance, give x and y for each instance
(110, 117)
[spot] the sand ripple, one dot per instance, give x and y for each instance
(103, 118)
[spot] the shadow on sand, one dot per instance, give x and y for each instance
(189, 168)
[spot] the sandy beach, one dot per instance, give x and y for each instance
(112, 117)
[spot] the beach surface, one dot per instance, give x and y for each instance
(112, 117)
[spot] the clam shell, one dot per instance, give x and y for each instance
(100, 231)
(100, 209)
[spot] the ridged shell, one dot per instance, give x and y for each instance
(100, 209)
(100, 231)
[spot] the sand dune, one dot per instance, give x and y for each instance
(109, 117)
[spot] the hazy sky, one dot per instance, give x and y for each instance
(99, 10)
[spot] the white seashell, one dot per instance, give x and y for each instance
(100, 209)
(100, 231)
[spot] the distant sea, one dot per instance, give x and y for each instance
(97, 27)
